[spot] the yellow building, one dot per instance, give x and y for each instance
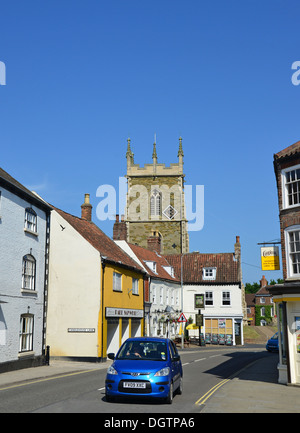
(96, 291)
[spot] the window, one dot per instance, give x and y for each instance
(172, 296)
(209, 273)
(170, 270)
(291, 187)
(135, 286)
(155, 203)
(117, 282)
(262, 311)
(225, 298)
(167, 296)
(292, 241)
(30, 220)
(26, 333)
(262, 300)
(151, 265)
(177, 297)
(161, 296)
(153, 296)
(209, 298)
(28, 272)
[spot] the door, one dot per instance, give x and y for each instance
(237, 332)
(297, 349)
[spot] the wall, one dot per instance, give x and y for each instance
(74, 292)
(14, 244)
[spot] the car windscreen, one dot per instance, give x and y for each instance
(144, 350)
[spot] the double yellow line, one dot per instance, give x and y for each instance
(212, 390)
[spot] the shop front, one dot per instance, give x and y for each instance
(287, 299)
(120, 324)
(223, 330)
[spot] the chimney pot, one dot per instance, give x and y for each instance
(86, 208)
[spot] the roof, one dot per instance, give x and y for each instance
(146, 255)
(263, 291)
(288, 151)
(10, 183)
(99, 240)
(193, 264)
(250, 299)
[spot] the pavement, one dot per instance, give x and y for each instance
(254, 389)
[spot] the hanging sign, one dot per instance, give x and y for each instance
(270, 258)
(199, 301)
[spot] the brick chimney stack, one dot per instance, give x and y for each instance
(86, 208)
(120, 229)
(154, 242)
(263, 282)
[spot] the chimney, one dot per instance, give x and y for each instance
(263, 282)
(120, 229)
(86, 208)
(154, 242)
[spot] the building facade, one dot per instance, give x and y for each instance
(218, 278)
(24, 234)
(287, 295)
(95, 290)
(155, 203)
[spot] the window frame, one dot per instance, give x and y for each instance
(117, 278)
(284, 183)
(209, 298)
(289, 263)
(135, 286)
(30, 226)
(209, 270)
(26, 337)
(155, 203)
(29, 258)
(226, 298)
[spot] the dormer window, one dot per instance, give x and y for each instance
(209, 273)
(151, 265)
(170, 270)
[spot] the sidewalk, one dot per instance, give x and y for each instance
(56, 368)
(255, 390)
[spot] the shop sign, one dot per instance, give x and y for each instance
(199, 301)
(270, 258)
(124, 312)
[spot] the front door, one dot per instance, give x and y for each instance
(237, 332)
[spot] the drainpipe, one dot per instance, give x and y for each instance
(102, 301)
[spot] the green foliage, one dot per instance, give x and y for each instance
(267, 317)
(254, 287)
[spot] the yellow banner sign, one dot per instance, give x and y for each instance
(270, 258)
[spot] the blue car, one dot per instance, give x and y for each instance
(144, 367)
(272, 344)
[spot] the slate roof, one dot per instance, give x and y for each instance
(146, 255)
(193, 264)
(99, 240)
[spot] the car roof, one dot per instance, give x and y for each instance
(150, 339)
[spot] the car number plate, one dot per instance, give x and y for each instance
(134, 384)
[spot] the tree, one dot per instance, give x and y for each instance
(254, 287)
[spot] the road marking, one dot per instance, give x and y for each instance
(101, 389)
(197, 360)
(209, 393)
(214, 356)
(186, 363)
(46, 379)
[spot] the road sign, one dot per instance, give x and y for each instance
(182, 318)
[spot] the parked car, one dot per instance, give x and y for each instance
(272, 343)
(144, 367)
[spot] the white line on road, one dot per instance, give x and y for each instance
(201, 359)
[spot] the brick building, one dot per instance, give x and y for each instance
(287, 295)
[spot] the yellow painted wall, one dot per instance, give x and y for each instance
(118, 299)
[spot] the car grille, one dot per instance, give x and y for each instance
(146, 390)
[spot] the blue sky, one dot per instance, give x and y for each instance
(83, 75)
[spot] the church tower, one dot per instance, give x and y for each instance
(155, 207)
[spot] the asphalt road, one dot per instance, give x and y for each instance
(203, 369)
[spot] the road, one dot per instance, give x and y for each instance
(204, 369)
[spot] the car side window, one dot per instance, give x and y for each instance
(173, 350)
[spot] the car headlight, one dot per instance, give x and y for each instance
(163, 372)
(111, 370)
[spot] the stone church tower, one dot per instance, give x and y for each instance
(155, 208)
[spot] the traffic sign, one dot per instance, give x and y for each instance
(182, 318)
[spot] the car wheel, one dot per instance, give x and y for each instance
(180, 387)
(169, 399)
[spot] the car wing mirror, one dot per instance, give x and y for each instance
(111, 356)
